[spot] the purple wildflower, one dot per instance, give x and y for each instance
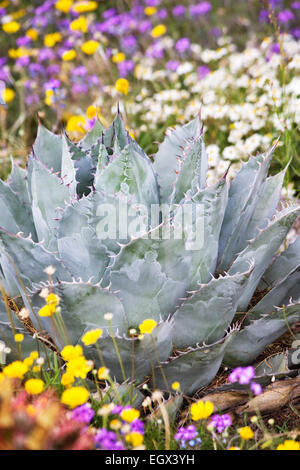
(172, 65)
(296, 33)
(156, 51)
(152, 3)
(264, 16)
(256, 388)
(137, 426)
(187, 436)
(35, 69)
(285, 16)
(129, 42)
(144, 26)
(40, 22)
(46, 54)
(32, 99)
(23, 41)
(203, 70)
(275, 3)
(83, 414)
(182, 45)
(179, 10)
(93, 80)
(216, 32)
(79, 71)
(295, 5)
(79, 88)
(109, 13)
(44, 8)
(242, 375)
(221, 422)
(52, 84)
(201, 9)
(125, 67)
(163, 14)
(3, 75)
(28, 84)
(107, 440)
(117, 410)
(65, 23)
(275, 48)
(23, 61)
(53, 69)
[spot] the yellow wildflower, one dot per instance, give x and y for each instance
(92, 112)
(289, 445)
(130, 415)
(147, 326)
(48, 100)
(67, 379)
(64, 5)
(149, 11)
(19, 338)
(16, 369)
(76, 124)
(13, 53)
(79, 24)
(34, 355)
(82, 7)
(90, 47)
(52, 299)
(32, 34)
(71, 352)
(51, 39)
(131, 135)
(7, 95)
(201, 410)
(115, 424)
(34, 386)
(103, 373)
(69, 55)
(79, 367)
(175, 385)
(49, 93)
(158, 31)
(122, 85)
(246, 433)
(18, 14)
(20, 52)
(47, 311)
(135, 439)
(11, 27)
(234, 448)
(91, 337)
(28, 361)
(75, 396)
(36, 369)
(119, 57)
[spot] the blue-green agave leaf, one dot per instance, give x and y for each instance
(250, 342)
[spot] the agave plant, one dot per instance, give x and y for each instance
(224, 300)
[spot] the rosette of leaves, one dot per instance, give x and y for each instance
(226, 301)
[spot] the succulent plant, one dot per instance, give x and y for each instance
(225, 299)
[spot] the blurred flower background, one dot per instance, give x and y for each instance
(162, 62)
(237, 63)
